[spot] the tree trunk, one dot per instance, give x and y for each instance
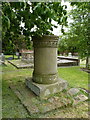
(13, 55)
(19, 56)
(87, 62)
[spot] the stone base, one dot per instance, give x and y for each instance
(36, 105)
(46, 89)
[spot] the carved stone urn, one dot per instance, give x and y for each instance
(45, 79)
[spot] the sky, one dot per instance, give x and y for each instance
(56, 31)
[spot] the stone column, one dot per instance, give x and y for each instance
(45, 80)
(45, 60)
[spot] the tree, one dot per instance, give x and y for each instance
(68, 43)
(10, 28)
(79, 35)
(81, 29)
(37, 18)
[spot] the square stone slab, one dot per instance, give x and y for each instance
(36, 105)
(20, 64)
(43, 90)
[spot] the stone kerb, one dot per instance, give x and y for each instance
(45, 76)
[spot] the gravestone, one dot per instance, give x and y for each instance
(2, 59)
(45, 79)
(67, 61)
(25, 62)
(69, 54)
(27, 57)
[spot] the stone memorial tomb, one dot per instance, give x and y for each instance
(67, 61)
(27, 56)
(45, 80)
(25, 62)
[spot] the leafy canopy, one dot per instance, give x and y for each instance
(78, 37)
(37, 17)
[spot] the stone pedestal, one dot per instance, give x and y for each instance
(45, 80)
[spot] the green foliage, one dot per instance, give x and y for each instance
(37, 19)
(67, 44)
(78, 37)
(80, 28)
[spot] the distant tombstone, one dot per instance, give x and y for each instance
(27, 56)
(2, 58)
(64, 54)
(17, 53)
(69, 54)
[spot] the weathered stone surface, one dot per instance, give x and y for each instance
(45, 80)
(73, 91)
(80, 98)
(45, 63)
(64, 62)
(35, 104)
(2, 59)
(73, 61)
(45, 59)
(20, 64)
(45, 41)
(27, 57)
(43, 90)
(77, 95)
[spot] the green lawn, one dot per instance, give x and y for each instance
(75, 76)
(12, 107)
(7, 56)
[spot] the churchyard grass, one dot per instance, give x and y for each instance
(8, 56)
(12, 107)
(75, 76)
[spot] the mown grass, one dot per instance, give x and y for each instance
(12, 107)
(8, 56)
(75, 76)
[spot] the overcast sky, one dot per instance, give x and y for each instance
(56, 31)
